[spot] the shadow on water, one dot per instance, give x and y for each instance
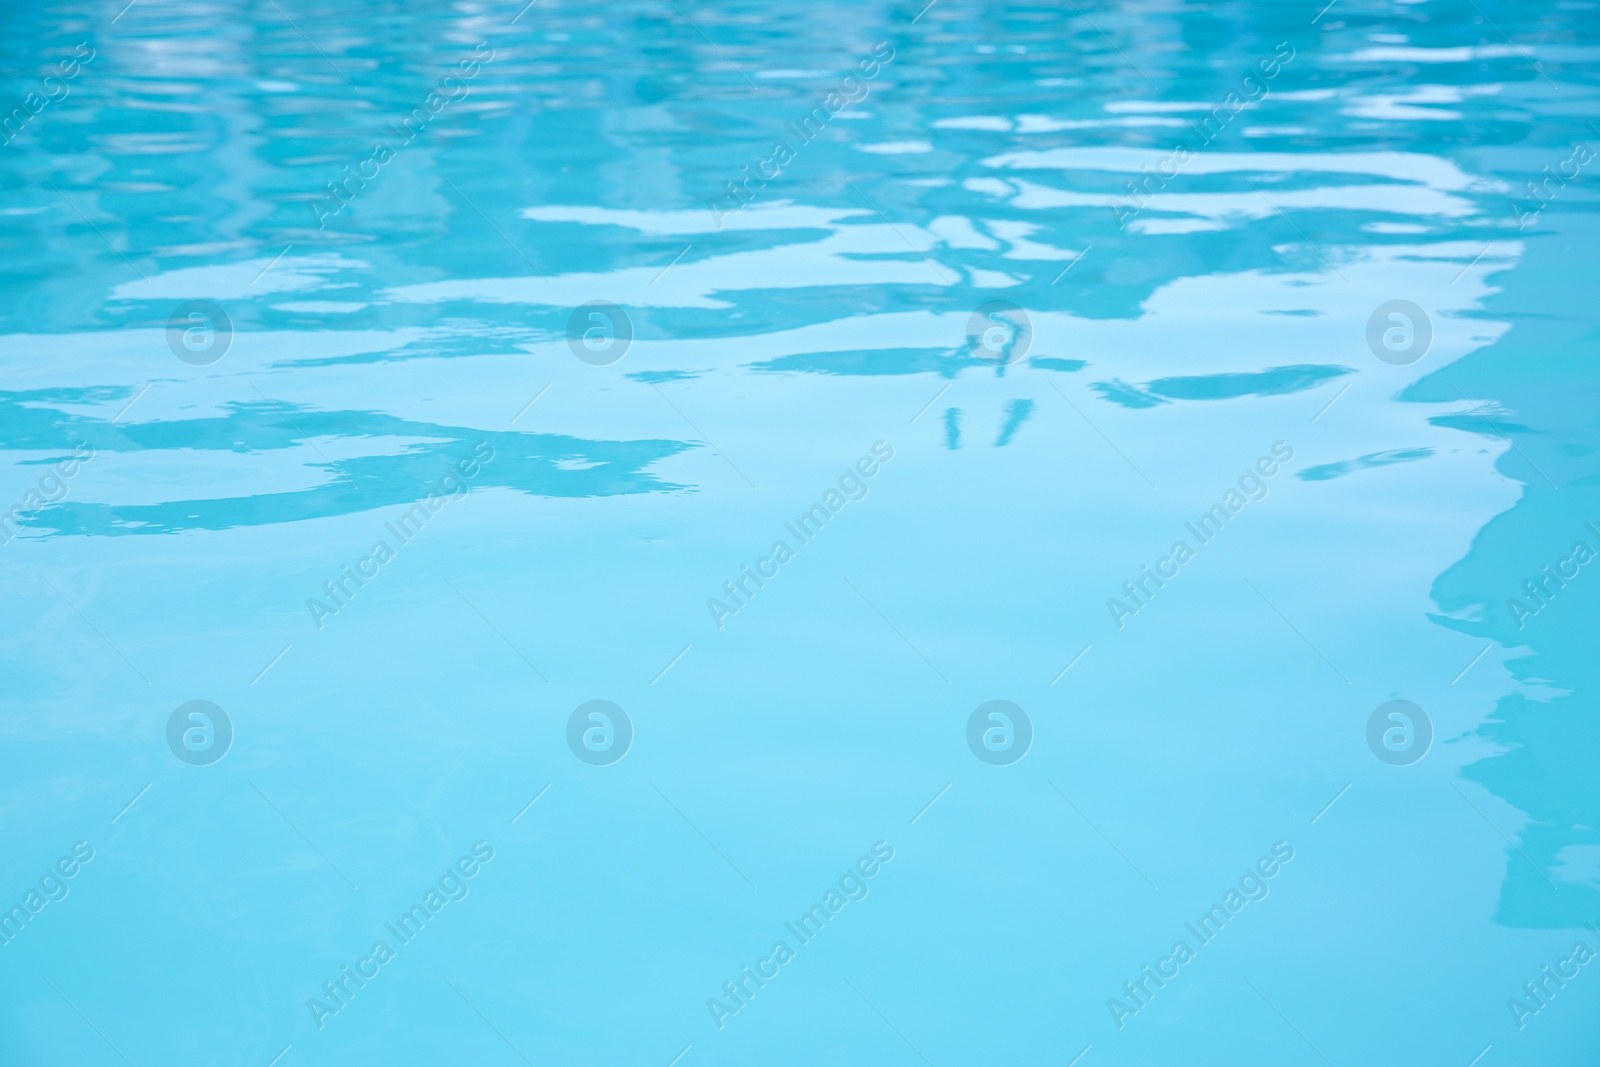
(535, 463)
(1539, 380)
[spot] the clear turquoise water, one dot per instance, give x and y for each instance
(386, 340)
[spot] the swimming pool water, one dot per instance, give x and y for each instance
(708, 533)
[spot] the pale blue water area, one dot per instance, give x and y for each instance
(1215, 386)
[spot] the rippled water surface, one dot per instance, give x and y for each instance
(383, 384)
